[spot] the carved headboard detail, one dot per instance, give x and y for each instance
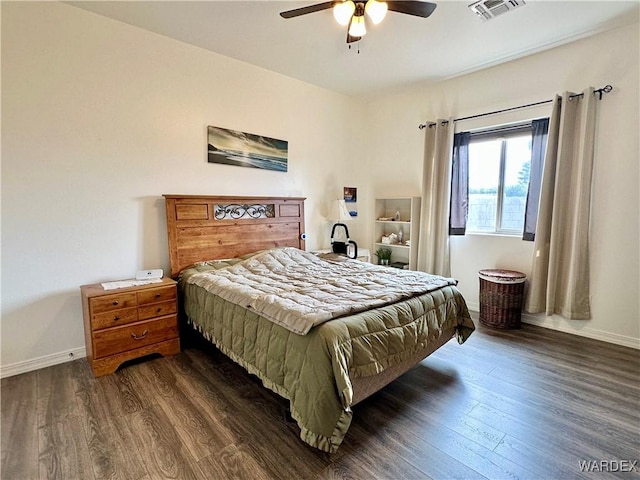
(213, 227)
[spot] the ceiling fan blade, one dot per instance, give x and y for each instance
(416, 8)
(296, 12)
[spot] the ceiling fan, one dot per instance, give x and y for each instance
(352, 13)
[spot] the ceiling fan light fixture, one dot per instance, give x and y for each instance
(376, 10)
(343, 11)
(352, 13)
(357, 28)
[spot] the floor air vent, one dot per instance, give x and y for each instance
(488, 9)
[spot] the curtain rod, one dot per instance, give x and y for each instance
(599, 91)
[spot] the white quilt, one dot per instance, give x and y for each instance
(298, 290)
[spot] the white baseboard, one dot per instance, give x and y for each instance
(552, 323)
(473, 307)
(41, 362)
(545, 322)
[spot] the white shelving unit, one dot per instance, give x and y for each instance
(386, 223)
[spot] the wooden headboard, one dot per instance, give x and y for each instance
(213, 227)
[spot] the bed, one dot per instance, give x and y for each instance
(248, 286)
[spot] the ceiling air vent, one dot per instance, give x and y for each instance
(488, 9)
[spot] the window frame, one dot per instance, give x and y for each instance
(500, 133)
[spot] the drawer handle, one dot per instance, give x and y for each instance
(135, 337)
(116, 302)
(158, 295)
(158, 310)
(116, 318)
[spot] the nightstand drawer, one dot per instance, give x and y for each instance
(162, 294)
(157, 310)
(114, 318)
(107, 303)
(120, 339)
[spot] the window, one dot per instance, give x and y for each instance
(499, 165)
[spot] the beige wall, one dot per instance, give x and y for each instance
(608, 58)
(99, 119)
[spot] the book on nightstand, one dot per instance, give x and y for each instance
(400, 265)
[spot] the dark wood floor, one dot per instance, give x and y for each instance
(532, 403)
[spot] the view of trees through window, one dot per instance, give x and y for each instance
(498, 181)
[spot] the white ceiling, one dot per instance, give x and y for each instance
(401, 50)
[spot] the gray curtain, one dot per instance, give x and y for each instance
(539, 131)
(433, 245)
(459, 184)
(559, 280)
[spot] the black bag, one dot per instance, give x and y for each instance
(348, 248)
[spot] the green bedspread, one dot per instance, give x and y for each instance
(314, 371)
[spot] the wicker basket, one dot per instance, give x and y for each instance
(501, 293)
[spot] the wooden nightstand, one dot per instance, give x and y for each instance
(127, 323)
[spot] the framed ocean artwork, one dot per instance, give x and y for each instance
(232, 147)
